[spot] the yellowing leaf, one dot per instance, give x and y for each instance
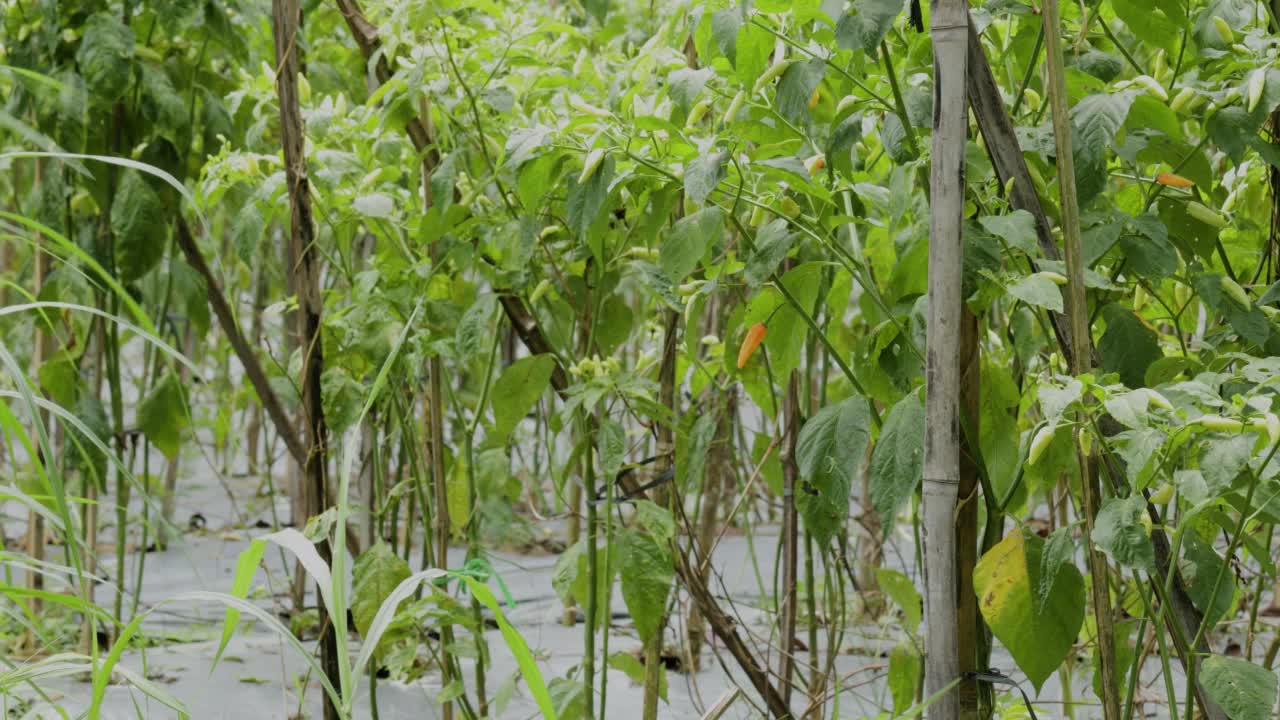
(1037, 635)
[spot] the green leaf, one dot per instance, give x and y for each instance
(163, 416)
(568, 698)
(685, 85)
(655, 519)
(1245, 691)
(341, 396)
(191, 293)
(634, 670)
(897, 462)
(1018, 228)
(1128, 347)
(584, 201)
(473, 334)
(1039, 291)
(689, 240)
(611, 443)
(1005, 579)
(60, 378)
(983, 256)
(140, 226)
(1224, 459)
(1147, 115)
(517, 390)
(518, 647)
(647, 574)
(798, 83)
(524, 143)
(893, 135)
(161, 103)
(1096, 120)
(599, 9)
(1058, 553)
(691, 448)
(614, 323)
(1201, 567)
(1098, 239)
(451, 692)
(1147, 248)
(725, 24)
(903, 592)
(247, 232)
(866, 24)
(246, 568)
(376, 573)
(1130, 408)
(1231, 129)
(443, 180)
(1138, 447)
(773, 241)
(1236, 13)
(1149, 23)
(1102, 65)
(755, 44)
(1120, 533)
(843, 137)
(702, 174)
(831, 445)
(571, 580)
(105, 56)
(906, 668)
(1249, 322)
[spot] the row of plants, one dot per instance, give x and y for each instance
(471, 266)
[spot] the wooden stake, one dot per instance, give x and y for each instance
(286, 22)
(949, 28)
(1081, 360)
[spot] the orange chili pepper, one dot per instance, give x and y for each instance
(813, 100)
(754, 337)
(1171, 180)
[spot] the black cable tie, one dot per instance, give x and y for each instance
(995, 677)
(602, 494)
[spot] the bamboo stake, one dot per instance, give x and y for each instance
(970, 623)
(253, 438)
(790, 536)
(664, 449)
(1078, 319)
(286, 21)
(949, 28)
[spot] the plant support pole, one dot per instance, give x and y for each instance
(1078, 320)
(286, 16)
(949, 27)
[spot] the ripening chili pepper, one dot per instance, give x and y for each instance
(1175, 181)
(754, 337)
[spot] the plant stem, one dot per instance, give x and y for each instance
(593, 576)
(473, 524)
(1081, 360)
